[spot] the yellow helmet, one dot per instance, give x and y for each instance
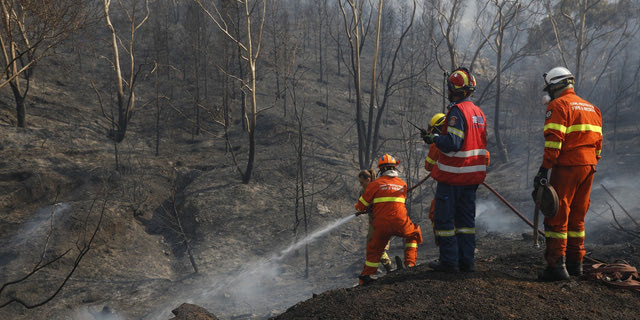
(437, 120)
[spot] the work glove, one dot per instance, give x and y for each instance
(363, 212)
(542, 174)
(429, 137)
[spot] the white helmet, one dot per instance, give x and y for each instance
(557, 78)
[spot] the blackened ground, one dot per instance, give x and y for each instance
(504, 286)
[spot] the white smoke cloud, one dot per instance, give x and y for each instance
(261, 287)
(612, 195)
(94, 313)
(39, 224)
(492, 216)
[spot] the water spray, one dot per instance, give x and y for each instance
(252, 285)
(310, 238)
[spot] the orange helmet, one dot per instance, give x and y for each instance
(387, 161)
(461, 81)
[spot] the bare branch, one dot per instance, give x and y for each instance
(623, 209)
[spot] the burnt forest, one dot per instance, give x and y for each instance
(198, 159)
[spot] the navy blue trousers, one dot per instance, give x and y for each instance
(455, 223)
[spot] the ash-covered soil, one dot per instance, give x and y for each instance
(60, 179)
(504, 286)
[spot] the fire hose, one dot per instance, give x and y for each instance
(419, 183)
(511, 207)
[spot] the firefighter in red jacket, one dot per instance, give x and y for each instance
(387, 195)
(435, 126)
(572, 146)
(460, 168)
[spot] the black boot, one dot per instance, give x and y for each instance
(439, 266)
(366, 280)
(555, 273)
(574, 268)
(399, 264)
(387, 266)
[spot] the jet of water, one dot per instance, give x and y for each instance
(310, 238)
(249, 283)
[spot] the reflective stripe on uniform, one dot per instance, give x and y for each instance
(445, 233)
(371, 264)
(366, 204)
(598, 152)
(555, 235)
(553, 144)
(466, 154)
(466, 230)
(576, 127)
(555, 126)
(411, 245)
(388, 199)
(575, 234)
(431, 161)
(584, 127)
(468, 169)
(456, 132)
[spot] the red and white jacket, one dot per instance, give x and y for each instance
(468, 165)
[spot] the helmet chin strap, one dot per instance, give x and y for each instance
(455, 96)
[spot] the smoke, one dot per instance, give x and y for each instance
(612, 196)
(609, 195)
(40, 223)
(492, 216)
(90, 313)
(257, 287)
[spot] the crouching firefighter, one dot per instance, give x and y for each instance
(386, 195)
(365, 177)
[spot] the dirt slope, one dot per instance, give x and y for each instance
(139, 268)
(503, 287)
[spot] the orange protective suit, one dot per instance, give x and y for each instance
(429, 163)
(387, 195)
(432, 157)
(573, 142)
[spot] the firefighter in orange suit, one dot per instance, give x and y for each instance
(386, 195)
(460, 168)
(365, 177)
(572, 146)
(435, 126)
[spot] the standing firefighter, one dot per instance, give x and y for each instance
(573, 141)
(387, 195)
(460, 168)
